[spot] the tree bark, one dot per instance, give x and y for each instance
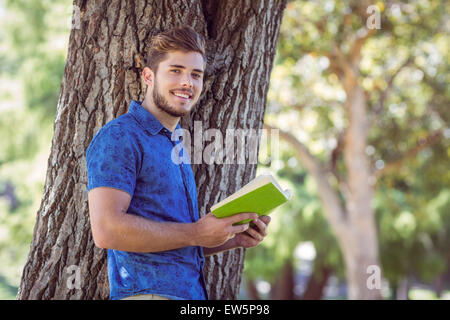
(106, 54)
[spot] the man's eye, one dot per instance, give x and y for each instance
(196, 75)
(175, 70)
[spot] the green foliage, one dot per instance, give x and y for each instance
(404, 71)
(34, 36)
(42, 88)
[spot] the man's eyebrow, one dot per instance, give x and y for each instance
(183, 67)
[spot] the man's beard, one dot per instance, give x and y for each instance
(162, 104)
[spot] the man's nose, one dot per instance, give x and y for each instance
(186, 81)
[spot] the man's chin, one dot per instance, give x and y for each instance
(175, 112)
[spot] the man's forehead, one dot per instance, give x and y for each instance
(190, 60)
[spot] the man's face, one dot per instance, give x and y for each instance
(178, 82)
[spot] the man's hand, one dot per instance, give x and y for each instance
(253, 235)
(211, 231)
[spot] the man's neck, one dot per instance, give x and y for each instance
(166, 119)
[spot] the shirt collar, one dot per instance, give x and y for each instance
(146, 119)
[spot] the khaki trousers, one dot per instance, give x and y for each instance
(146, 297)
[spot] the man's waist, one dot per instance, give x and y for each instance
(186, 255)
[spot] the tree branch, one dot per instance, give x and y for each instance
(333, 209)
(360, 9)
(422, 144)
(336, 154)
(390, 83)
(355, 51)
(299, 107)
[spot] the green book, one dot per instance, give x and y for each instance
(261, 195)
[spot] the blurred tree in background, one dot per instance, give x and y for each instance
(33, 37)
(403, 71)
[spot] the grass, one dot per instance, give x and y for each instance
(423, 294)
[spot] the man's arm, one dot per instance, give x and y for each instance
(113, 228)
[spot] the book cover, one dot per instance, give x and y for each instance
(261, 195)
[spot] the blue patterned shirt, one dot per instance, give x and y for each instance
(133, 153)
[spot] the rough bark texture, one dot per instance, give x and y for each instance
(102, 74)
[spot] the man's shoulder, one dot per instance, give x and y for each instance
(124, 125)
(119, 131)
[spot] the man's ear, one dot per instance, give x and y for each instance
(148, 76)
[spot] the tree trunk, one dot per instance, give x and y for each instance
(252, 291)
(394, 291)
(441, 282)
(355, 232)
(361, 243)
(317, 282)
(106, 54)
(352, 222)
(403, 289)
(283, 287)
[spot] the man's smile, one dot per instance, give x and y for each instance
(185, 95)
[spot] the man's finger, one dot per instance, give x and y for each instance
(262, 227)
(255, 234)
(265, 219)
(242, 216)
(231, 236)
(239, 228)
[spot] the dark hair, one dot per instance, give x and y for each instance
(183, 38)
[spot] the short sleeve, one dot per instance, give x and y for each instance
(112, 160)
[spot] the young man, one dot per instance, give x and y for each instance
(143, 206)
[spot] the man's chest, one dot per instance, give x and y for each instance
(160, 175)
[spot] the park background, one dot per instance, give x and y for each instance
(404, 70)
